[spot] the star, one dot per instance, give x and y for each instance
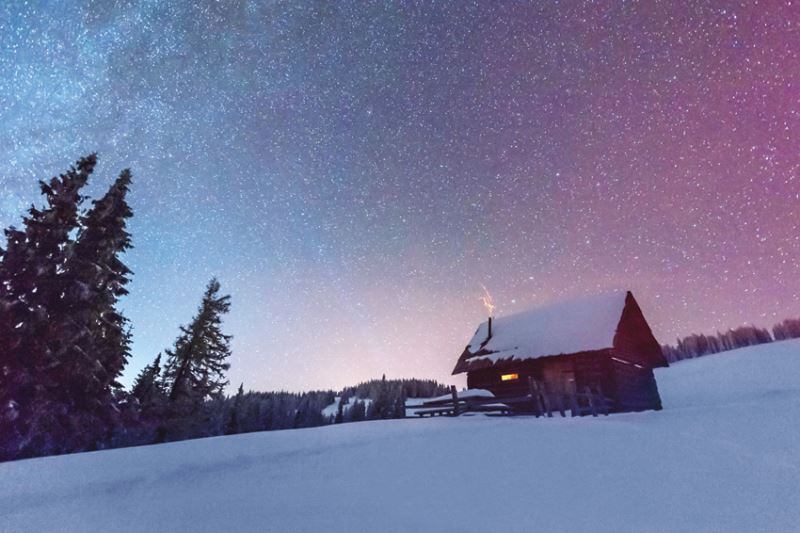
(355, 173)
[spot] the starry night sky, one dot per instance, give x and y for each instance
(353, 172)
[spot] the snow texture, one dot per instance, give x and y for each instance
(721, 457)
(464, 394)
(330, 410)
(571, 326)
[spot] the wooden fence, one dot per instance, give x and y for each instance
(540, 400)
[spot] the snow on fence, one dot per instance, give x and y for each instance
(540, 400)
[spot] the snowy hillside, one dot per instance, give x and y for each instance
(722, 456)
(330, 409)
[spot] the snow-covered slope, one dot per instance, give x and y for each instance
(722, 456)
(331, 409)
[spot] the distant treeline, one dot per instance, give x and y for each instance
(699, 345)
(247, 412)
(372, 400)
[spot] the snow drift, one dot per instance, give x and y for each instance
(721, 456)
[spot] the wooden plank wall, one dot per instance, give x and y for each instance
(635, 388)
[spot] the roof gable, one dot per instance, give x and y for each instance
(572, 326)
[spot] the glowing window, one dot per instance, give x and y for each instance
(509, 377)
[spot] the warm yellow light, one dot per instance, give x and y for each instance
(509, 377)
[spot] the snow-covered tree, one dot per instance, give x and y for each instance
(99, 278)
(98, 341)
(33, 304)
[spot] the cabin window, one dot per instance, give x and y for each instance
(509, 377)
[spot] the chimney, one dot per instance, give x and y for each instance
(489, 336)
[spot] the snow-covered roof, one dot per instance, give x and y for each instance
(572, 326)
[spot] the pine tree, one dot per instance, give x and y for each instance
(339, 412)
(382, 405)
(98, 346)
(147, 389)
(99, 278)
(196, 365)
(357, 412)
(32, 307)
(234, 424)
(399, 403)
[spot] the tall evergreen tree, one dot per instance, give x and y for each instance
(233, 426)
(32, 305)
(98, 341)
(339, 412)
(196, 365)
(147, 388)
(100, 277)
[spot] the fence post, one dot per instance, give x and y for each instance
(534, 391)
(590, 396)
(560, 395)
(532, 394)
(454, 393)
(545, 390)
(604, 408)
(573, 396)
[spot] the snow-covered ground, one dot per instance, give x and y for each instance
(722, 456)
(330, 410)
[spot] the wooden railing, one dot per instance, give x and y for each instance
(540, 400)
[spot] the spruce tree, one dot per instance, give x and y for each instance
(233, 425)
(399, 403)
(147, 389)
(100, 277)
(339, 412)
(32, 306)
(98, 346)
(357, 412)
(196, 365)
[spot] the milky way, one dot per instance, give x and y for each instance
(353, 172)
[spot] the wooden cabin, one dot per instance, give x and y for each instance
(602, 342)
